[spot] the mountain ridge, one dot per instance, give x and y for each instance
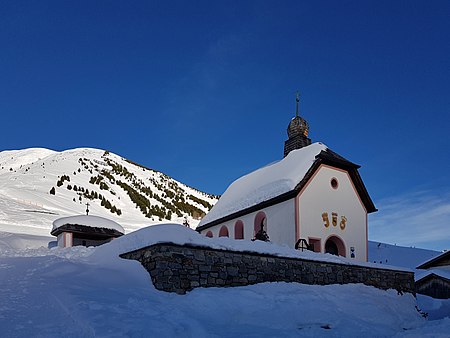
(50, 184)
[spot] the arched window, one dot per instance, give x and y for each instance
(209, 234)
(260, 222)
(223, 231)
(239, 230)
(335, 246)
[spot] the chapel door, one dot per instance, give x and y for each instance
(331, 248)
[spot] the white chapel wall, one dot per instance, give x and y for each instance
(320, 197)
(280, 224)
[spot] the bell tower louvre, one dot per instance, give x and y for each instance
(297, 132)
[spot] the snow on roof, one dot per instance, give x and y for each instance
(430, 262)
(181, 235)
(265, 183)
(420, 274)
(90, 221)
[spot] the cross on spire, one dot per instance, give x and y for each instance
(87, 208)
(297, 100)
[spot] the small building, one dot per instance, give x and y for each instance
(312, 196)
(434, 281)
(441, 261)
(85, 230)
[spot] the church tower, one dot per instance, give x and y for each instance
(297, 132)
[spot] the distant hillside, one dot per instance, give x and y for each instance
(408, 257)
(39, 185)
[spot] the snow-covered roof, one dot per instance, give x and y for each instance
(421, 274)
(265, 183)
(90, 221)
(433, 262)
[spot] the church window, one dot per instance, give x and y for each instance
(223, 231)
(260, 222)
(334, 183)
(209, 234)
(239, 230)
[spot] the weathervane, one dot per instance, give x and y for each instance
(297, 100)
(87, 208)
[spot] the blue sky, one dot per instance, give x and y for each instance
(204, 91)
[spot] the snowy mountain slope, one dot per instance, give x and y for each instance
(387, 254)
(39, 185)
(14, 159)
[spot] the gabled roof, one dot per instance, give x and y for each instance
(436, 261)
(279, 182)
(439, 274)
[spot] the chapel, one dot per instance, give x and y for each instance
(312, 196)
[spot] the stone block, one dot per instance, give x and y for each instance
(232, 271)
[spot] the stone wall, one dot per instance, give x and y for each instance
(176, 268)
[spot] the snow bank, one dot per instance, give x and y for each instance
(56, 297)
(436, 308)
(91, 221)
(265, 183)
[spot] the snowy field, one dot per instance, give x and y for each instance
(91, 292)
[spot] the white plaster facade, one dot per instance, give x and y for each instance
(319, 197)
(65, 240)
(281, 214)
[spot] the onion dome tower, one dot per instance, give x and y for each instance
(297, 132)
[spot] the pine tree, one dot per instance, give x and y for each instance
(52, 191)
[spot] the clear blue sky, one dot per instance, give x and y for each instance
(204, 90)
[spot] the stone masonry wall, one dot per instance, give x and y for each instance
(176, 268)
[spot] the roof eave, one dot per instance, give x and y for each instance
(429, 263)
(431, 275)
(67, 228)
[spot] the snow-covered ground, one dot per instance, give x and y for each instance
(388, 254)
(91, 292)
